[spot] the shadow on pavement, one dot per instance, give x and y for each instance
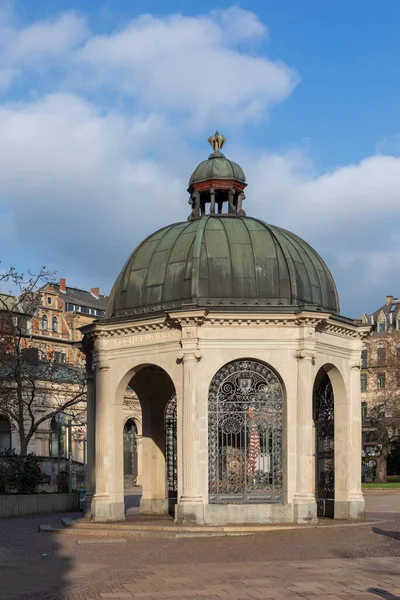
(33, 573)
(383, 594)
(395, 535)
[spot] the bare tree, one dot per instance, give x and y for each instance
(382, 415)
(33, 386)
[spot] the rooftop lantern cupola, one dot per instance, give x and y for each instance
(218, 182)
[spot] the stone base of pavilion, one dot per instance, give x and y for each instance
(164, 526)
(302, 511)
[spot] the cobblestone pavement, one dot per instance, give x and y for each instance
(356, 562)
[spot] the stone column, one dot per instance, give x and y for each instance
(101, 499)
(108, 501)
(349, 500)
(305, 507)
(190, 507)
(231, 203)
(212, 202)
(90, 443)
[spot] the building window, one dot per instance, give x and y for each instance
(49, 300)
(70, 307)
(381, 327)
(5, 434)
(44, 323)
(381, 356)
(85, 310)
(363, 382)
(100, 313)
(54, 325)
(364, 411)
(364, 359)
(381, 382)
(59, 357)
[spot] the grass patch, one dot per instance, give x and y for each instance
(388, 485)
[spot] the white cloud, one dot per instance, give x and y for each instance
(238, 24)
(45, 39)
(190, 65)
(351, 215)
(78, 186)
(39, 45)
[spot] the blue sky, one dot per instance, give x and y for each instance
(105, 108)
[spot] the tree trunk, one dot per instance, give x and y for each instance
(381, 468)
(23, 443)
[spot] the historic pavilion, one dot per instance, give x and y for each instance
(229, 332)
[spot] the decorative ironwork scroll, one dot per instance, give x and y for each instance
(325, 446)
(245, 422)
(171, 447)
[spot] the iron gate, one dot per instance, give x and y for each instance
(171, 462)
(325, 448)
(245, 421)
(130, 452)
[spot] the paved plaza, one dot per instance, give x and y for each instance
(348, 562)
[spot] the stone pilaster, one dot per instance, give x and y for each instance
(305, 507)
(90, 442)
(349, 499)
(190, 506)
(189, 470)
(104, 507)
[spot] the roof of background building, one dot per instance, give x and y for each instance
(390, 310)
(82, 297)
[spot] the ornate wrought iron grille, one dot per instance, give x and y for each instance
(245, 421)
(171, 447)
(325, 446)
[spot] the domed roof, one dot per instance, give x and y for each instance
(217, 166)
(222, 263)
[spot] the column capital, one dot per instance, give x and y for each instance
(100, 362)
(189, 355)
(303, 354)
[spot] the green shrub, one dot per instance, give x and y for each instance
(24, 473)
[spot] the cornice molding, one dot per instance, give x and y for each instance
(179, 323)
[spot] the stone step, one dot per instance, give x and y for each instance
(135, 528)
(131, 532)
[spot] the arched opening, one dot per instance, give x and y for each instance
(5, 434)
(245, 429)
(154, 388)
(324, 422)
(130, 453)
(44, 323)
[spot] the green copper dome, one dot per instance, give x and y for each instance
(226, 263)
(217, 166)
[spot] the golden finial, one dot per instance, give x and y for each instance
(217, 141)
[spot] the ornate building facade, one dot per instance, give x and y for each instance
(53, 335)
(380, 383)
(229, 331)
